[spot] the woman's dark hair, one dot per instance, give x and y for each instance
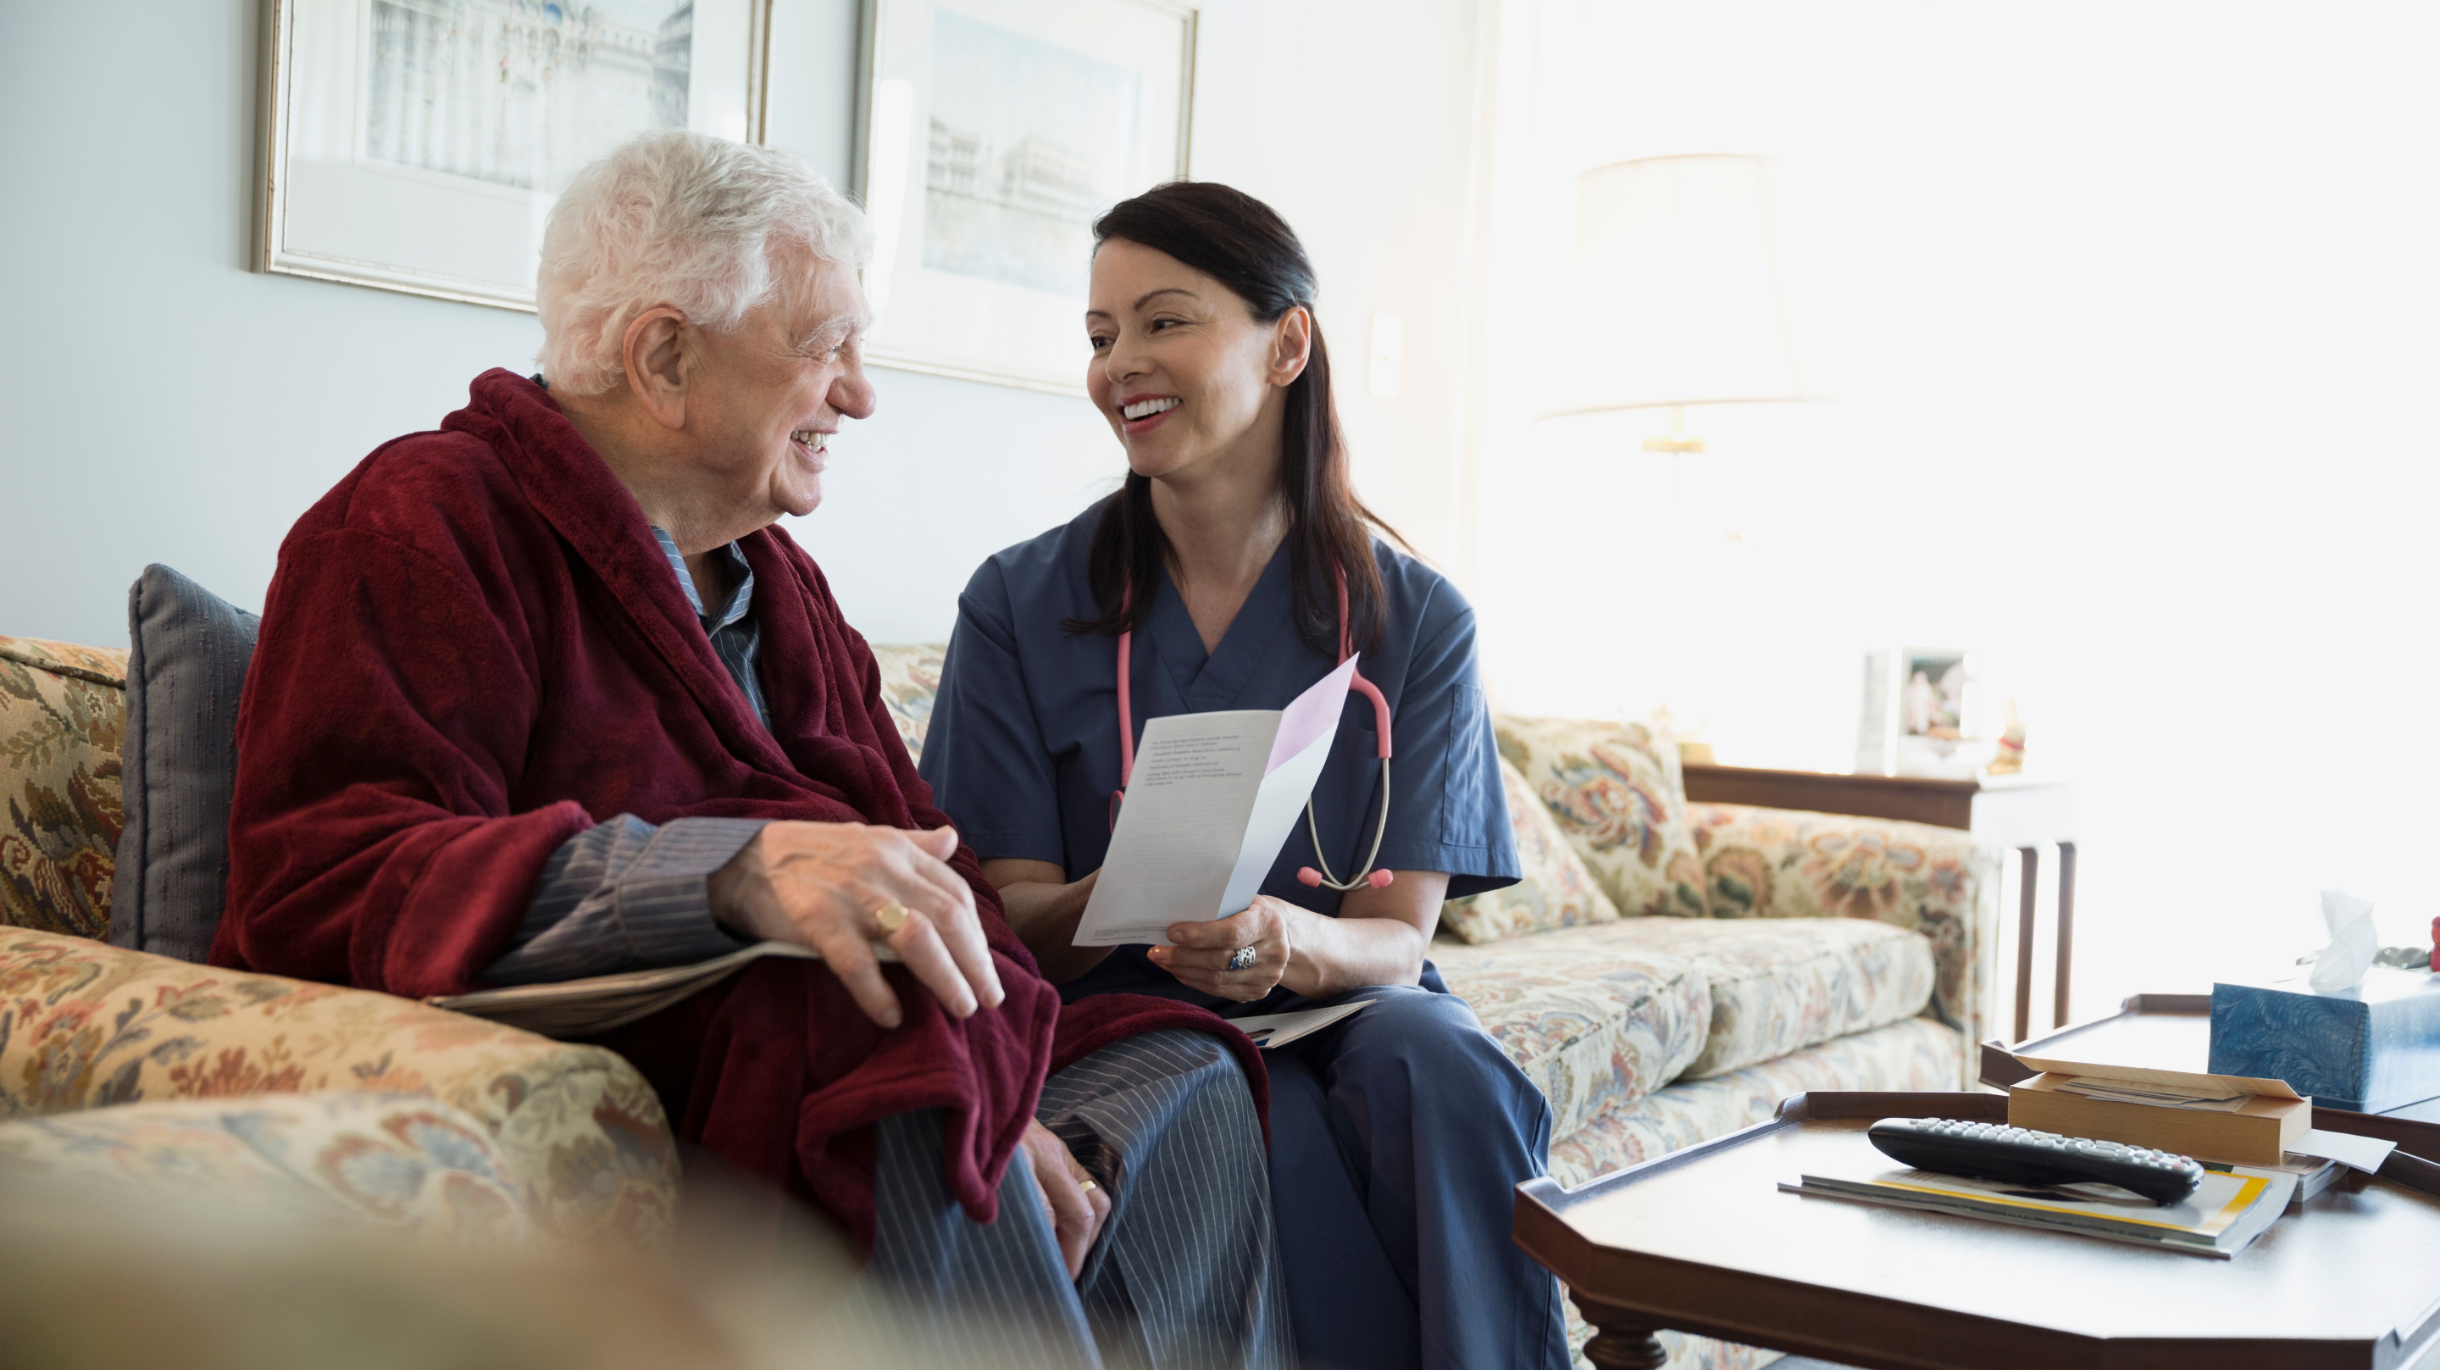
(1237, 240)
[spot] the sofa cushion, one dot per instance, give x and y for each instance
(186, 668)
(1783, 984)
(1777, 863)
(1616, 792)
(1596, 1027)
(1556, 890)
(83, 1026)
(405, 1159)
(1918, 1054)
(62, 718)
(910, 677)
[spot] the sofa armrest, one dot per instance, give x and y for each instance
(1780, 863)
(580, 1132)
(404, 1159)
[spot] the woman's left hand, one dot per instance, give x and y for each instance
(1202, 953)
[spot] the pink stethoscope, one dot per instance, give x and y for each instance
(1305, 875)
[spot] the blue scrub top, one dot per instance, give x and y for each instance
(1022, 750)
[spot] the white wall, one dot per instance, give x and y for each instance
(159, 402)
(2131, 331)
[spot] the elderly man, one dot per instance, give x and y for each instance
(546, 694)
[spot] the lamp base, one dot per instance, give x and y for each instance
(1677, 440)
(1673, 443)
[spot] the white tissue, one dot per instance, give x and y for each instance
(2353, 943)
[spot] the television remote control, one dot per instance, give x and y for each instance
(2014, 1155)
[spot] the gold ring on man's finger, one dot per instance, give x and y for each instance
(892, 917)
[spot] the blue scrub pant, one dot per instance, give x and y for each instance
(1397, 1139)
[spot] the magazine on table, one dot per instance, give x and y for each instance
(2225, 1213)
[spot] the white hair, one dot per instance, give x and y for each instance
(680, 219)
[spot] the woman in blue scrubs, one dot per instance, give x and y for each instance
(1397, 1134)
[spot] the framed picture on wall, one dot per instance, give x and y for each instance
(992, 133)
(418, 145)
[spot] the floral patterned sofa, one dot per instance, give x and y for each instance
(337, 1099)
(1666, 973)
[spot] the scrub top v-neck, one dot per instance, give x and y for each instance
(1022, 748)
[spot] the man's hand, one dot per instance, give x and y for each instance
(1203, 949)
(822, 885)
(1076, 1204)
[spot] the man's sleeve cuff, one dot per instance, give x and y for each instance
(664, 900)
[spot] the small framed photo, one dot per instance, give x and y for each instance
(1923, 712)
(992, 133)
(1934, 693)
(418, 145)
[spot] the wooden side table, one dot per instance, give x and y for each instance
(1703, 1241)
(2024, 812)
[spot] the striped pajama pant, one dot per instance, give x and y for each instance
(1183, 1274)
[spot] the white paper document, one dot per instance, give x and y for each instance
(1278, 1029)
(2209, 1100)
(2366, 1154)
(1212, 800)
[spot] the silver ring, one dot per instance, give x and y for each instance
(1241, 959)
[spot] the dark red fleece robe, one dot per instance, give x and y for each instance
(473, 650)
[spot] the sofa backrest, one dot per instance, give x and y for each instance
(63, 719)
(910, 676)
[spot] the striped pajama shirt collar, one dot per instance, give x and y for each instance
(741, 599)
(736, 638)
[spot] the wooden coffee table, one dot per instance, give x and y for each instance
(1703, 1241)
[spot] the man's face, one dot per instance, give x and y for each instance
(774, 389)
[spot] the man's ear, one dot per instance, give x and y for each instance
(1291, 345)
(659, 351)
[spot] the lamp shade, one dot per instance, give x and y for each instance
(1677, 294)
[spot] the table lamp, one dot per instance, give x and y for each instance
(1680, 285)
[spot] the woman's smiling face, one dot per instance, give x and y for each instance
(1186, 374)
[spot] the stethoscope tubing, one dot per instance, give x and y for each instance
(1365, 878)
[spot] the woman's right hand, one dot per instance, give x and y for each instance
(823, 885)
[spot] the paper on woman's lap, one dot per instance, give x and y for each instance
(1213, 799)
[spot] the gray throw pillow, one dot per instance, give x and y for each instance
(186, 666)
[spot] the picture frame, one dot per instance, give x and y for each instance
(990, 134)
(418, 145)
(1923, 712)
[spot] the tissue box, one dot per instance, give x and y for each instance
(2372, 1048)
